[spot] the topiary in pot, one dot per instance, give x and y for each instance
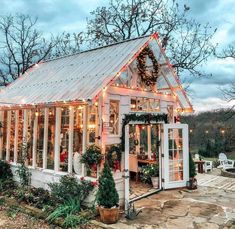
(192, 173)
(107, 197)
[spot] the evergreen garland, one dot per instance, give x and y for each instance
(107, 195)
(142, 68)
(146, 118)
(192, 167)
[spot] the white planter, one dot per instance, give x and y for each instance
(155, 182)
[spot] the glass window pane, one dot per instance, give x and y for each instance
(114, 117)
(40, 137)
(51, 139)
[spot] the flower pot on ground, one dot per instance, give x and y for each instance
(192, 184)
(150, 175)
(107, 197)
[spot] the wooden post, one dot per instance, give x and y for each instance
(137, 129)
(57, 139)
(45, 138)
(84, 134)
(35, 130)
(8, 145)
(126, 170)
(1, 131)
(71, 124)
(149, 141)
(16, 136)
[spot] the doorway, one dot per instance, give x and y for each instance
(144, 159)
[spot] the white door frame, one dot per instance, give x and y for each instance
(126, 162)
(165, 159)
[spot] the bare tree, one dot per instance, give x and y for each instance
(21, 46)
(187, 42)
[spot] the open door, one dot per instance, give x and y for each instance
(175, 155)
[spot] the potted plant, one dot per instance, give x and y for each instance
(150, 174)
(192, 173)
(107, 197)
(91, 158)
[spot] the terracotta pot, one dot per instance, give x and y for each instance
(192, 183)
(109, 215)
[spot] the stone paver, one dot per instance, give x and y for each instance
(211, 206)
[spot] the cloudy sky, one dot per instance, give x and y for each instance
(56, 16)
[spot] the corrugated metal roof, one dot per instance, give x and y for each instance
(82, 76)
(70, 78)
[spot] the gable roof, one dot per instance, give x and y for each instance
(82, 76)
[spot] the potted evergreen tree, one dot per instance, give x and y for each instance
(192, 173)
(107, 197)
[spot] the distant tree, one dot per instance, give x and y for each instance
(188, 43)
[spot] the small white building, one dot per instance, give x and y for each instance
(83, 99)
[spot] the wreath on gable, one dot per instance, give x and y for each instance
(114, 157)
(148, 79)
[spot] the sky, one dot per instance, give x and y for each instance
(57, 16)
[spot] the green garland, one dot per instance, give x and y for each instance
(146, 118)
(118, 155)
(142, 68)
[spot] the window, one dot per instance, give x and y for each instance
(145, 105)
(51, 139)
(40, 138)
(20, 135)
(175, 154)
(12, 135)
(92, 115)
(114, 117)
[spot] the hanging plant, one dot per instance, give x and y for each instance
(91, 158)
(148, 79)
(114, 157)
(145, 118)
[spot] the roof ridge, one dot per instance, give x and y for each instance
(96, 48)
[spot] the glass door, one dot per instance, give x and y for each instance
(175, 157)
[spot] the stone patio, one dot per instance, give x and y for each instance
(211, 206)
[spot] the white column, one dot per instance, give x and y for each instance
(71, 124)
(84, 134)
(1, 132)
(16, 136)
(57, 139)
(8, 145)
(149, 141)
(126, 166)
(35, 130)
(45, 137)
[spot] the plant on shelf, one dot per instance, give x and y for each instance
(150, 174)
(107, 197)
(192, 173)
(91, 158)
(114, 157)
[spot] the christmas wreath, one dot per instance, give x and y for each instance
(114, 156)
(148, 79)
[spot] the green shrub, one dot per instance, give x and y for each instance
(69, 187)
(5, 171)
(73, 221)
(148, 172)
(107, 195)
(192, 167)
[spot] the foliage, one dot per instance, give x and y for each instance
(22, 170)
(7, 187)
(107, 195)
(114, 154)
(192, 167)
(73, 221)
(188, 42)
(38, 197)
(5, 171)
(69, 188)
(146, 118)
(149, 171)
(91, 158)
